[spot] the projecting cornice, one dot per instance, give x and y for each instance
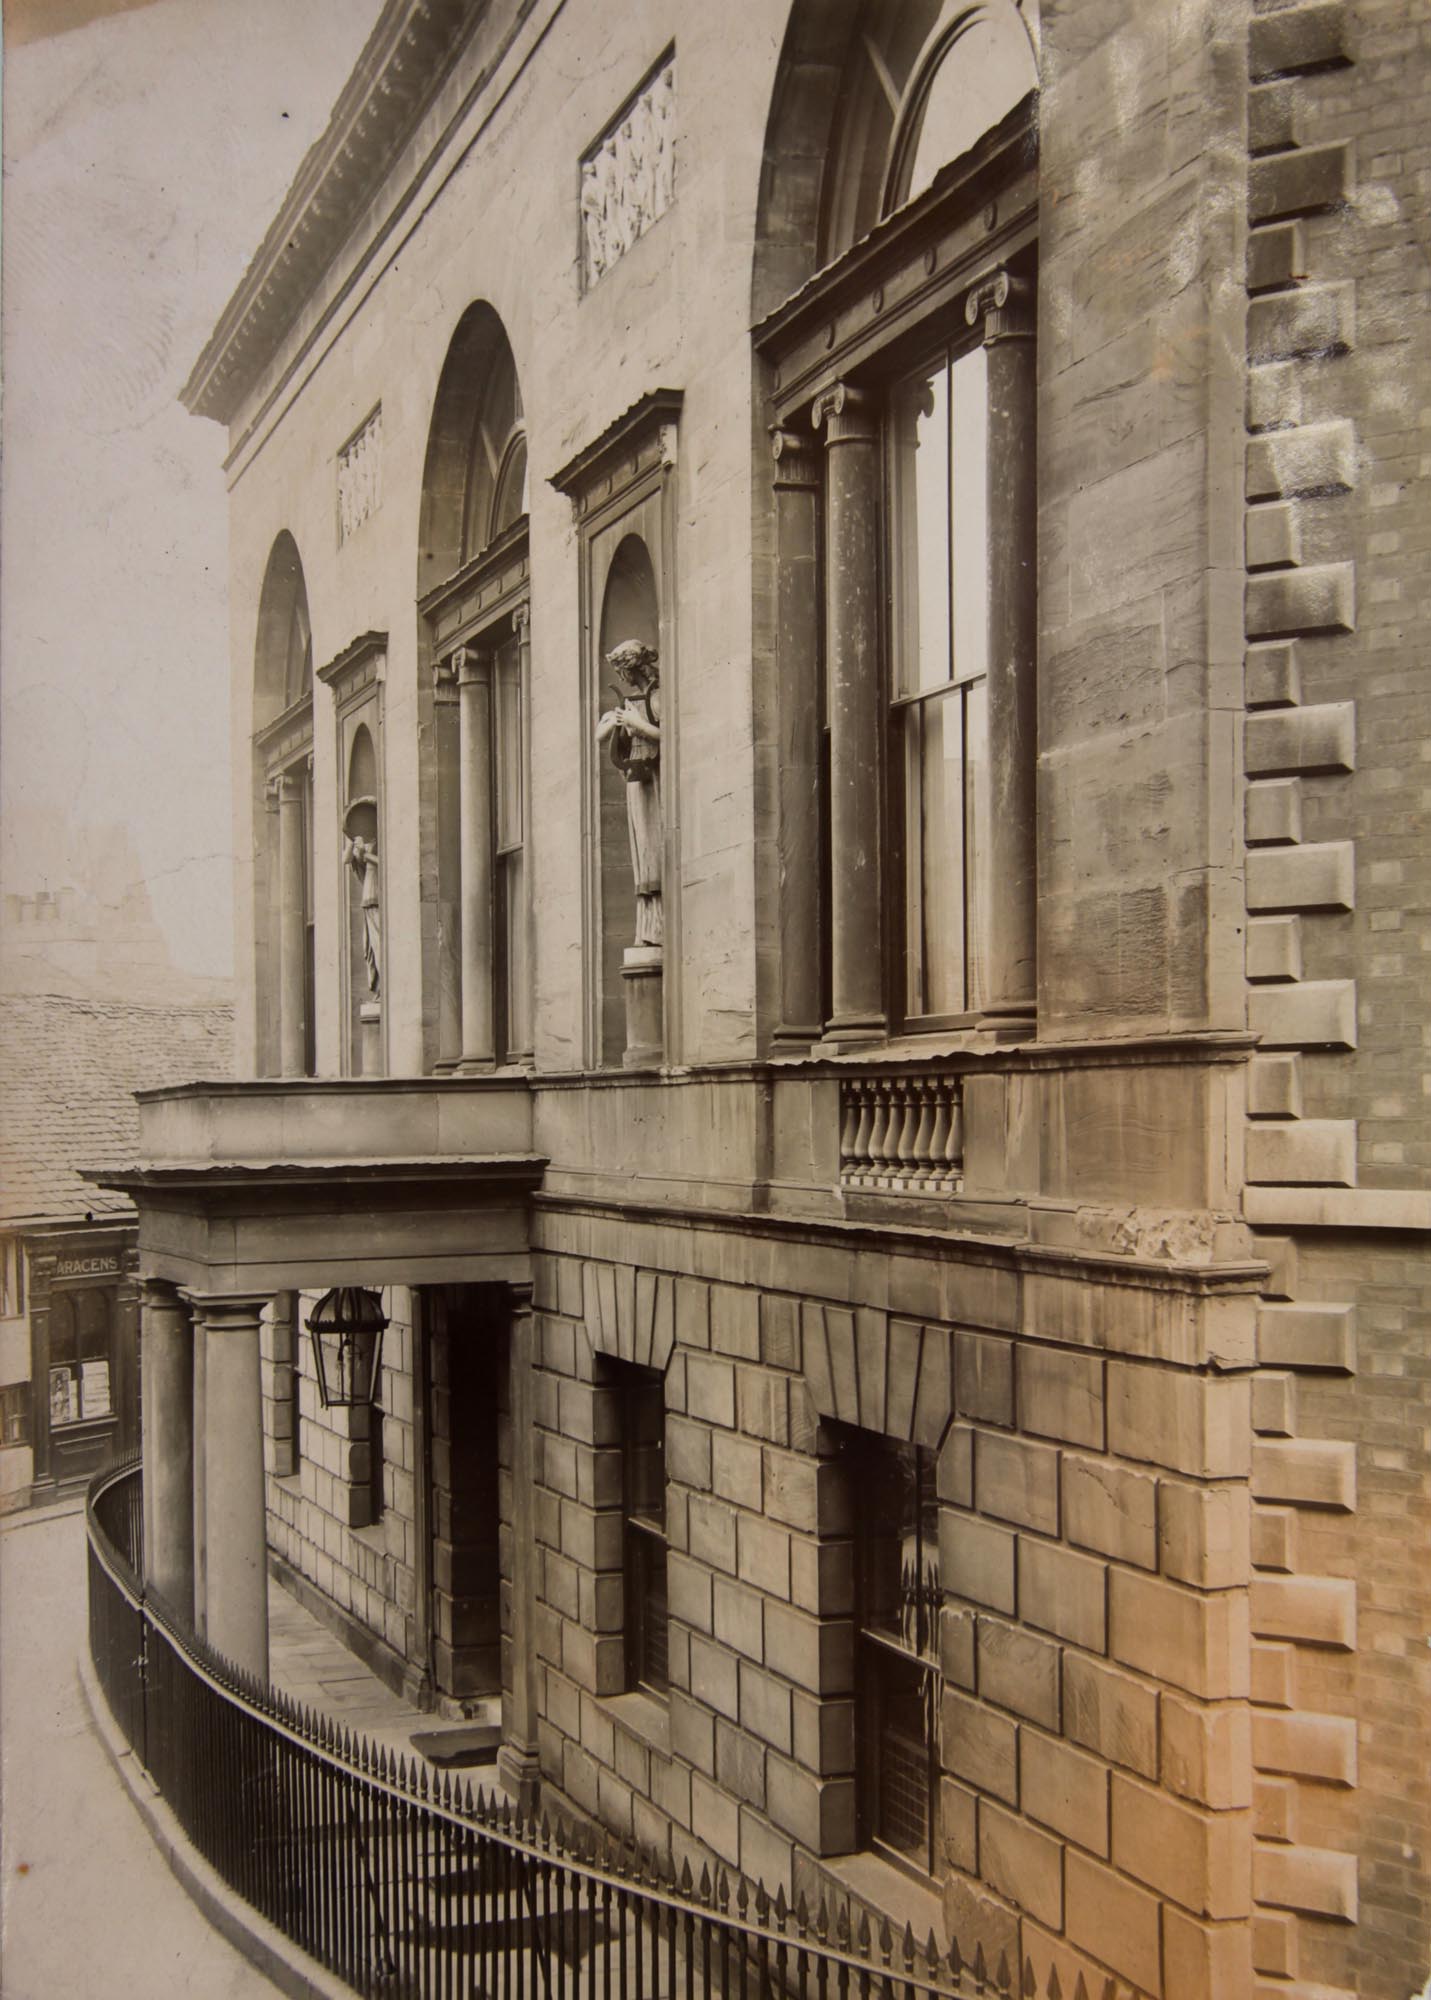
(406, 59)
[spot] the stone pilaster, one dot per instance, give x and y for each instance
(291, 941)
(797, 659)
(474, 696)
(1005, 305)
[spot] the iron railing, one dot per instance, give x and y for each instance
(413, 1887)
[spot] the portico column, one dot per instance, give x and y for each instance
(474, 711)
(797, 666)
(199, 1425)
(291, 952)
(852, 627)
(235, 1524)
(1005, 303)
(167, 1420)
(518, 1761)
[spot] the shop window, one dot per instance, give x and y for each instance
(642, 1398)
(898, 1649)
(15, 1414)
(81, 1348)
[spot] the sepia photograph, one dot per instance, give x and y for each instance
(715, 999)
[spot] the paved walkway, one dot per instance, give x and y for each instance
(87, 1905)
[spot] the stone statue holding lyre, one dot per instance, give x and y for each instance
(633, 730)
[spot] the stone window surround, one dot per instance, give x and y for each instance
(960, 257)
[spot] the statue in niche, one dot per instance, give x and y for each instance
(362, 857)
(633, 730)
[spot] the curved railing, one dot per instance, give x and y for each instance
(406, 1885)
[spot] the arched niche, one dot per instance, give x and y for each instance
(364, 928)
(472, 592)
(283, 818)
(872, 97)
(630, 610)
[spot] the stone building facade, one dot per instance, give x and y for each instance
(832, 814)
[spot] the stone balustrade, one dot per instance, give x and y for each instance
(902, 1133)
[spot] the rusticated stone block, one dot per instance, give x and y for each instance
(1207, 1752)
(1274, 1808)
(1064, 1593)
(1319, 876)
(1196, 1858)
(981, 1746)
(1296, 38)
(1191, 1639)
(956, 1647)
(1276, 256)
(1110, 1712)
(1274, 1404)
(1274, 1674)
(1271, 118)
(1311, 458)
(1017, 1669)
(1318, 1152)
(1306, 1746)
(1204, 1534)
(1016, 1480)
(1271, 536)
(1317, 1013)
(1314, 1879)
(1306, 1336)
(1320, 598)
(1313, 320)
(1109, 1916)
(1274, 948)
(1205, 1961)
(1320, 1610)
(1065, 1789)
(815, 1653)
(1111, 1509)
(1274, 1945)
(1272, 812)
(1309, 1472)
(1189, 1423)
(1298, 183)
(1021, 1863)
(1274, 1538)
(1271, 676)
(1320, 738)
(1060, 1395)
(984, 1378)
(976, 1560)
(1274, 1086)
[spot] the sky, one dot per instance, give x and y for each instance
(146, 149)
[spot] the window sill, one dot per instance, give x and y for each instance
(889, 1891)
(641, 1716)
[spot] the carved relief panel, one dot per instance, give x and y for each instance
(628, 178)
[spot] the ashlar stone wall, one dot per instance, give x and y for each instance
(1094, 1439)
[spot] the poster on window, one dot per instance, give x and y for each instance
(94, 1389)
(64, 1396)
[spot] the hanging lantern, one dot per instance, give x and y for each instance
(347, 1327)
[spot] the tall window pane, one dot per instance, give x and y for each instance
(939, 547)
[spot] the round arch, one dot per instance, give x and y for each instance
(474, 482)
(283, 649)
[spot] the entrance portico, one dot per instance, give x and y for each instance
(248, 1192)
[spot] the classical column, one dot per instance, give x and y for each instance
(518, 1761)
(797, 667)
(474, 697)
(235, 1525)
(856, 710)
(1005, 304)
(200, 1336)
(291, 942)
(166, 1353)
(522, 626)
(449, 863)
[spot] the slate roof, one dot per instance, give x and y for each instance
(67, 1071)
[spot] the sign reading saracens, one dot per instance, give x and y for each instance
(628, 178)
